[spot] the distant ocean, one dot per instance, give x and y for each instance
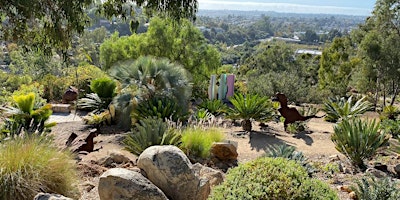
(362, 9)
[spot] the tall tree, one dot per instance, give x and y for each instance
(379, 47)
(47, 24)
(336, 66)
(183, 44)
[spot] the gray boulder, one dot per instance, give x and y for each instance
(170, 170)
(215, 177)
(123, 184)
(47, 196)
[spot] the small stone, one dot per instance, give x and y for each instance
(397, 169)
(47, 196)
(380, 166)
(334, 158)
(353, 195)
(377, 173)
(345, 188)
(88, 186)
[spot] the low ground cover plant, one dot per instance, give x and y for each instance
(271, 178)
(31, 165)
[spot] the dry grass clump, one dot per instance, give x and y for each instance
(32, 165)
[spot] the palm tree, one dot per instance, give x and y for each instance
(250, 107)
(150, 77)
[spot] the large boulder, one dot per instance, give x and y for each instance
(47, 196)
(170, 170)
(123, 184)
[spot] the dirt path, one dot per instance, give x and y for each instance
(315, 144)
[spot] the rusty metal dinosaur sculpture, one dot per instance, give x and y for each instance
(291, 115)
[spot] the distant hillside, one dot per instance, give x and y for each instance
(224, 13)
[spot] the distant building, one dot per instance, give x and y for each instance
(307, 51)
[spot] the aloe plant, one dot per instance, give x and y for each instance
(250, 107)
(337, 109)
(358, 140)
(148, 132)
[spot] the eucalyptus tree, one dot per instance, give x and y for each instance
(46, 24)
(379, 41)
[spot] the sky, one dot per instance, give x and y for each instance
(346, 7)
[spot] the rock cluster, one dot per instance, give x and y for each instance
(166, 173)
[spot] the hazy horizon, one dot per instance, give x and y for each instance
(359, 7)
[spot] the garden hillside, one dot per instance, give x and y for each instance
(169, 108)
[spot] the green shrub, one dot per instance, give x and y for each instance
(149, 132)
(82, 77)
(289, 152)
(391, 127)
(197, 142)
(215, 107)
(54, 87)
(250, 107)
(376, 189)
(104, 88)
(358, 140)
(271, 178)
(337, 109)
(161, 107)
(29, 166)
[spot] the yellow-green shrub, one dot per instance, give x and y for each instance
(31, 165)
(271, 178)
(197, 142)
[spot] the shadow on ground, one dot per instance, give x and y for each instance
(262, 141)
(304, 136)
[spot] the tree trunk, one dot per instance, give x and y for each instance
(395, 92)
(376, 93)
(246, 125)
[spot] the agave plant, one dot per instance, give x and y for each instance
(337, 109)
(160, 107)
(148, 132)
(370, 188)
(358, 140)
(250, 107)
(289, 152)
(97, 102)
(23, 118)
